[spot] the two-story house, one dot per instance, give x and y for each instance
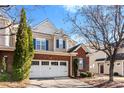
(99, 62)
(54, 52)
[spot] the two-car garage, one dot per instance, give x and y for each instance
(48, 68)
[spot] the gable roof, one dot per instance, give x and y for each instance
(46, 26)
(101, 59)
(73, 48)
(44, 21)
(77, 47)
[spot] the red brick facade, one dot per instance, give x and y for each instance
(81, 53)
(9, 58)
(10, 55)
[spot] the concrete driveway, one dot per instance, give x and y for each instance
(57, 83)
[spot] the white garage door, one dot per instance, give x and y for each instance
(42, 69)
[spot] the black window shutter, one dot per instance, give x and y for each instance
(84, 63)
(64, 44)
(57, 43)
(47, 45)
(34, 43)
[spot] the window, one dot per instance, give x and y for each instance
(54, 63)
(35, 63)
(41, 44)
(37, 44)
(60, 43)
(82, 63)
(45, 63)
(62, 63)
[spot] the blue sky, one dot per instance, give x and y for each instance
(55, 13)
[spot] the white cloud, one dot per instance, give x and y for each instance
(72, 8)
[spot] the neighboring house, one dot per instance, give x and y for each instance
(54, 52)
(99, 62)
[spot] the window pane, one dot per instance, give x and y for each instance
(62, 63)
(37, 44)
(61, 43)
(54, 63)
(80, 63)
(38, 47)
(35, 63)
(45, 62)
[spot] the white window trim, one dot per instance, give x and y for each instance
(40, 39)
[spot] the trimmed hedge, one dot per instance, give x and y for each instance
(89, 74)
(85, 74)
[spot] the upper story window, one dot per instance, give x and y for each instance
(60, 43)
(40, 44)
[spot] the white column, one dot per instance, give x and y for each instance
(7, 37)
(54, 43)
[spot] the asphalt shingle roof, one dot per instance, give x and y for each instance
(73, 48)
(119, 56)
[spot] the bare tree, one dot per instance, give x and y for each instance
(102, 27)
(6, 11)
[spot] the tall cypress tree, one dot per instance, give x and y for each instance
(22, 47)
(30, 40)
(27, 64)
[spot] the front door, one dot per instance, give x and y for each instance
(101, 68)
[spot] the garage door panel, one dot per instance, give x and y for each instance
(64, 68)
(44, 69)
(35, 69)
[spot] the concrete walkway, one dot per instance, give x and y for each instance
(57, 83)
